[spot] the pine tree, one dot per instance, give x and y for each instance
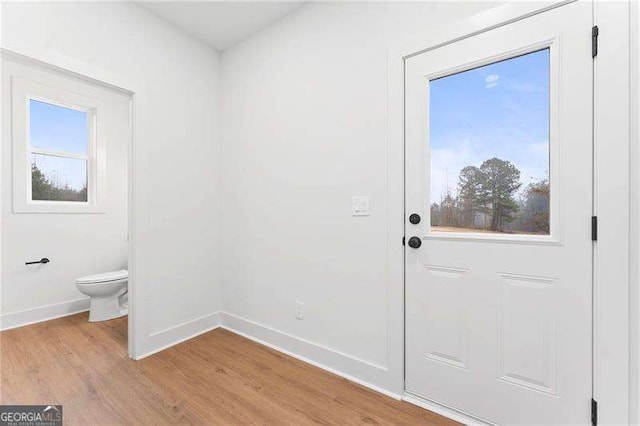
(470, 195)
(501, 181)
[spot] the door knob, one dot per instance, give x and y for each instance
(415, 242)
(414, 218)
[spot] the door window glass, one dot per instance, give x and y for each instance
(489, 137)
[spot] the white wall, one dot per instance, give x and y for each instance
(304, 129)
(175, 150)
(634, 296)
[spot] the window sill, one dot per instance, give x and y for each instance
(70, 207)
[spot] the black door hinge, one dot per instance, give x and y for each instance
(594, 412)
(594, 228)
(594, 41)
(403, 242)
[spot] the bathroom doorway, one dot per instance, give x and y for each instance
(65, 200)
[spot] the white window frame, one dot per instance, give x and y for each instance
(23, 91)
(554, 237)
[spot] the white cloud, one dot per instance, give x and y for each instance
(491, 78)
(538, 149)
(491, 81)
(445, 167)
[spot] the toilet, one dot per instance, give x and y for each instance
(108, 293)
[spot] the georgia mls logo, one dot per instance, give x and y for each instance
(30, 415)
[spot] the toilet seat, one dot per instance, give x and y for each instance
(104, 277)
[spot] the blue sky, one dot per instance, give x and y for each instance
(498, 110)
(57, 128)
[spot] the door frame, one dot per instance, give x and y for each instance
(107, 79)
(611, 325)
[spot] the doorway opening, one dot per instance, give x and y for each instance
(66, 225)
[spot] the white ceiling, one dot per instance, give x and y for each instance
(221, 24)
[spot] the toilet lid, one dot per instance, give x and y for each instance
(104, 277)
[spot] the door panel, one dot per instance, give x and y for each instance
(499, 163)
(527, 338)
(445, 315)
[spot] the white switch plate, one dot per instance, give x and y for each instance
(299, 310)
(360, 206)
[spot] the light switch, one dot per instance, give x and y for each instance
(360, 206)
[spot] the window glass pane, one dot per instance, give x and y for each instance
(58, 179)
(57, 128)
(489, 134)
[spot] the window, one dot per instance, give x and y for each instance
(59, 145)
(489, 135)
(58, 160)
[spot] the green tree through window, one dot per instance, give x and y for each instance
(43, 189)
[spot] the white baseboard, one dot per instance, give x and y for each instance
(351, 368)
(444, 410)
(356, 370)
(43, 313)
(171, 336)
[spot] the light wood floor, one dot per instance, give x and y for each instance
(216, 378)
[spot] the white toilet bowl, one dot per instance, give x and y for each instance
(108, 293)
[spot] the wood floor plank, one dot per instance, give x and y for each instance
(218, 378)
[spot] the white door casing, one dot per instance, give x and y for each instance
(499, 326)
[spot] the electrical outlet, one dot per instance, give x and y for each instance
(299, 310)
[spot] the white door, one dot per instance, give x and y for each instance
(499, 183)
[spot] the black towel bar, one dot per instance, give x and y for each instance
(43, 260)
